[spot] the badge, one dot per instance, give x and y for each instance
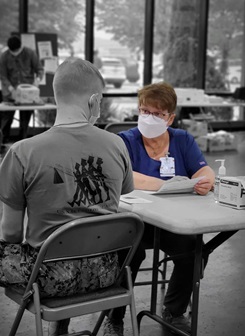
(167, 166)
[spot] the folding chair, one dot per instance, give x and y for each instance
(162, 270)
(163, 273)
(85, 237)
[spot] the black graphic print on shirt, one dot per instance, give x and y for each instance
(90, 182)
(57, 178)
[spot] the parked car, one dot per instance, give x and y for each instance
(113, 71)
(132, 71)
(235, 74)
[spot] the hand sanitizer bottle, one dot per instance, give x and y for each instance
(221, 173)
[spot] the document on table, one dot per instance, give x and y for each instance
(133, 199)
(178, 184)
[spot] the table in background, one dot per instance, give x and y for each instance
(224, 103)
(11, 108)
(208, 116)
(185, 214)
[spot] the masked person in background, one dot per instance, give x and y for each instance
(18, 65)
(158, 152)
(51, 177)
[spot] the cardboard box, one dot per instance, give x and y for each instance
(216, 142)
(231, 141)
(222, 141)
(191, 95)
(195, 128)
(216, 145)
(27, 94)
(202, 142)
(232, 192)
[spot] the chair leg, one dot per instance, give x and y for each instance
(99, 322)
(164, 272)
(17, 319)
(134, 318)
(38, 318)
(132, 305)
(190, 307)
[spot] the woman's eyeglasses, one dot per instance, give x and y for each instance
(146, 113)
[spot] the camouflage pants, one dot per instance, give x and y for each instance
(56, 278)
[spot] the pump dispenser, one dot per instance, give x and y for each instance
(221, 173)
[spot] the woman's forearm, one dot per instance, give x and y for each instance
(145, 182)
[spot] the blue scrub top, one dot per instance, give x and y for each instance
(183, 148)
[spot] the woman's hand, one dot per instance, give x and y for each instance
(203, 186)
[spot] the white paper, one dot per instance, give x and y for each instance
(44, 49)
(28, 40)
(133, 199)
(50, 65)
(178, 184)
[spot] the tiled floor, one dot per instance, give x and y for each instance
(222, 293)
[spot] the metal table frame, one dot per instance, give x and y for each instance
(196, 215)
(200, 251)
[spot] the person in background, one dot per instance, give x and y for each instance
(73, 170)
(18, 65)
(159, 152)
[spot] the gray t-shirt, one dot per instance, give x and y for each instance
(63, 174)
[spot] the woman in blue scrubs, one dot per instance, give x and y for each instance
(159, 152)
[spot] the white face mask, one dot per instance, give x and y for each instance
(94, 106)
(151, 127)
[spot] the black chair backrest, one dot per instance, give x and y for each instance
(120, 126)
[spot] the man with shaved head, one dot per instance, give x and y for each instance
(73, 170)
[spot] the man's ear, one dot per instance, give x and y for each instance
(92, 99)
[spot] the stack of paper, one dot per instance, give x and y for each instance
(178, 184)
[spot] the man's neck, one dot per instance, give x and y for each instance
(70, 115)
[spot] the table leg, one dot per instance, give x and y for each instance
(200, 252)
(196, 283)
(216, 241)
(152, 312)
(196, 286)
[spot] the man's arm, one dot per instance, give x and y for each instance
(206, 184)
(12, 224)
(7, 87)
